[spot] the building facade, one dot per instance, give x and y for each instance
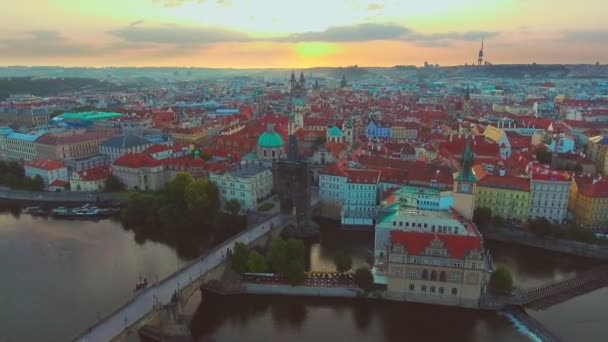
(436, 268)
(49, 170)
(360, 198)
(377, 130)
(589, 201)
(507, 196)
(93, 179)
(249, 183)
(549, 193)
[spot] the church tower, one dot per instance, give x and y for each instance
(465, 184)
(347, 130)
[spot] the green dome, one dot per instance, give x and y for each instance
(270, 139)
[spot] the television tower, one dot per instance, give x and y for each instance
(480, 59)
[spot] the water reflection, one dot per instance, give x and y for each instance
(58, 275)
(264, 318)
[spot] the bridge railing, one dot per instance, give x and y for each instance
(272, 221)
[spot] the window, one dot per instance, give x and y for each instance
(440, 289)
(432, 289)
(433, 276)
(423, 288)
(425, 274)
(411, 287)
(442, 276)
(454, 291)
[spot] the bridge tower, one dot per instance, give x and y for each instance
(292, 180)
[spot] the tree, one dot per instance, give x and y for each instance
(287, 259)
(343, 261)
(540, 226)
(578, 167)
(113, 184)
(482, 216)
(256, 263)
(37, 183)
(295, 272)
(364, 278)
(176, 189)
(233, 207)
(239, 258)
(501, 280)
(276, 255)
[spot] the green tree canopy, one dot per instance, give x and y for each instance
(233, 207)
(276, 255)
(239, 258)
(37, 183)
(113, 184)
(256, 263)
(287, 259)
(176, 189)
(343, 261)
(364, 278)
(501, 280)
(482, 216)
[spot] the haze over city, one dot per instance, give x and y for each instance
(298, 34)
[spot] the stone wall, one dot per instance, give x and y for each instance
(581, 249)
(306, 291)
(60, 196)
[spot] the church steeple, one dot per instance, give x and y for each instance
(466, 164)
(343, 83)
(302, 80)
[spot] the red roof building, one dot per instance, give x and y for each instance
(415, 243)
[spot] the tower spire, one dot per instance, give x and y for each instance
(480, 59)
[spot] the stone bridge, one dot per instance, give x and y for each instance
(555, 292)
(145, 306)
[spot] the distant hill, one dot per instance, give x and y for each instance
(49, 86)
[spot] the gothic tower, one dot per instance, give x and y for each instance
(465, 184)
(349, 134)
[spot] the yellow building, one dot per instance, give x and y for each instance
(507, 196)
(402, 131)
(436, 268)
(589, 201)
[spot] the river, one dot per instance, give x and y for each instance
(58, 275)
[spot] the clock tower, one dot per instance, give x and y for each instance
(465, 184)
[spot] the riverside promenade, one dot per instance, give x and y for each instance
(121, 319)
(59, 196)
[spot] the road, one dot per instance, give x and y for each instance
(113, 325)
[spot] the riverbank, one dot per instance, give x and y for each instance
(586, 250)
(27, 196)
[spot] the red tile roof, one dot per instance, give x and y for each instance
(45, 164)
(458, 246)
(50, 139)
(592, 186)
(137, 161)
(363, 176)
(94, 174)
(505, 182)
(58, 183)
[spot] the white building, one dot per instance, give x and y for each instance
(93, 179)
(549, 192)
(249, 183)
(49, 170)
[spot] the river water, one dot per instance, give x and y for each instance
(57, 276)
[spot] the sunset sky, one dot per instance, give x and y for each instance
(306, 33)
